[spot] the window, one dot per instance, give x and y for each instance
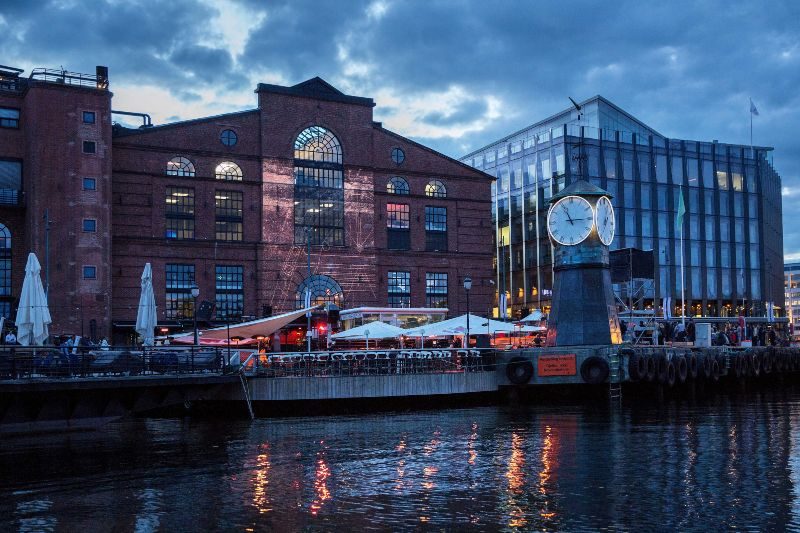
(397, 227)
(88, 117)
(435, 289)
(89, 184)
(89, 272)
(323, 289)
(228, 210)
(398, 155)
(180, 166)
(89, 147)
(89, 225)
(9, 117)
(397, 185)
(5, 265)
(228, 170)
(318, 188)
(399, 289)
(228, 138)
(435, 229)
(179, 213)
(229, 292)
(10, 181)
(179, 303)
(435, 189)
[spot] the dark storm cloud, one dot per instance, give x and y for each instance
(685, 68)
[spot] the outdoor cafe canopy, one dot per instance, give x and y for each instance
(458, 326)
(246, 330)
(372, 330)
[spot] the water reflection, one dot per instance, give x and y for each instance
(729, 463)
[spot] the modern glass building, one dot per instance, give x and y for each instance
(791, 286)
(733, 235)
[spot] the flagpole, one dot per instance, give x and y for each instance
(683, 291)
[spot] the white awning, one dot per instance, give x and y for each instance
(371, 330)
(246, 330)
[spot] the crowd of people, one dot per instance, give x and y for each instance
(723, 334)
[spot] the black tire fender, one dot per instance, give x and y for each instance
(519, 370)
(594, 369)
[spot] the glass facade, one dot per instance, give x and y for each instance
(732, 232)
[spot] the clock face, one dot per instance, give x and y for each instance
(604, 220)
(570, 220)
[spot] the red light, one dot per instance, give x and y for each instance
(322, 328)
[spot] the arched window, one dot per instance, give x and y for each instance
(323, 289)
(180, 166)
(397, 185)
(228, 170)
(436, 189)
(318, 144)
(318, 188)
(5, 271)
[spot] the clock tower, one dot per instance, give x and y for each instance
(581, 226)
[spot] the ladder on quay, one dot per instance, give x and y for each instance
(614, 377)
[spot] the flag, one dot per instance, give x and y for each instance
(681, 210)
(307, 301)
(770, 312)
(753, 108)
(503, 305)
(667, 307)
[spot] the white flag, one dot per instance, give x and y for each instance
(770, 312)
(753, 108)
(503, 305)
(667, 307)
(307, 301)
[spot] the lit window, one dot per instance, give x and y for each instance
(9, 117)
(180, 166)
(318, 188)
(228, 207)
(436, 289)
(88, 117)
(89, 184)
(228, 137)
(89, 272)
(179, 213)
(89, 147)
(435, 189)
(397, 185)
(229, 171)
(398, 155)
(89, 225)
(179, 303)
(229, 292)
(323, 289)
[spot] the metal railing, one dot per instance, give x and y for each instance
(68, 78)
(372, 363)
(24, 362)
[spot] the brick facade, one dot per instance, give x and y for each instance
(131, 210)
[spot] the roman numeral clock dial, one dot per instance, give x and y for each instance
(570, 220)
(604, 221)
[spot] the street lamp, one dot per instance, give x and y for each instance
(467, 287)
(195, 294)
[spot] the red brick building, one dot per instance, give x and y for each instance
(231, 204)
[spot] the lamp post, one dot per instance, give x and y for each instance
(467, 287)
(195, 294)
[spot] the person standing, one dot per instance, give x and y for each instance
(11, 338)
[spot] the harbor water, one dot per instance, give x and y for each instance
(727, 462)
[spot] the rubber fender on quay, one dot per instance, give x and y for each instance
(681, 368)
(594, 369)
(755, 361)
(708, 363)
(637, 366)
(738, 366)
(671, 374)
(748, 367)
(692, 363)
(766, 362)
(652, 368)
(519, 370)
(716, 371)
(662, 369)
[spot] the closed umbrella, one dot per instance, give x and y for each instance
(147, 317)
(33, 316)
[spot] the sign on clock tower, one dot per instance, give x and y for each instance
(581, 226)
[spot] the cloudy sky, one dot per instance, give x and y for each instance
(453, 75)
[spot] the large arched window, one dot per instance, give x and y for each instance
(323, 289)
(180, 166)
(318, 144)
(5, 271)
(318, 188)
(397, 185)
(435, 189)
(228, 170)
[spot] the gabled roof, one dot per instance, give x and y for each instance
(315, 88)
(579, 188)
(122, 131)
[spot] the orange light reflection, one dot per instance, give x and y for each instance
(261, 483)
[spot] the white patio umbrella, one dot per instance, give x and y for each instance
(371, 330)
(147, 316)
(33, 316)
